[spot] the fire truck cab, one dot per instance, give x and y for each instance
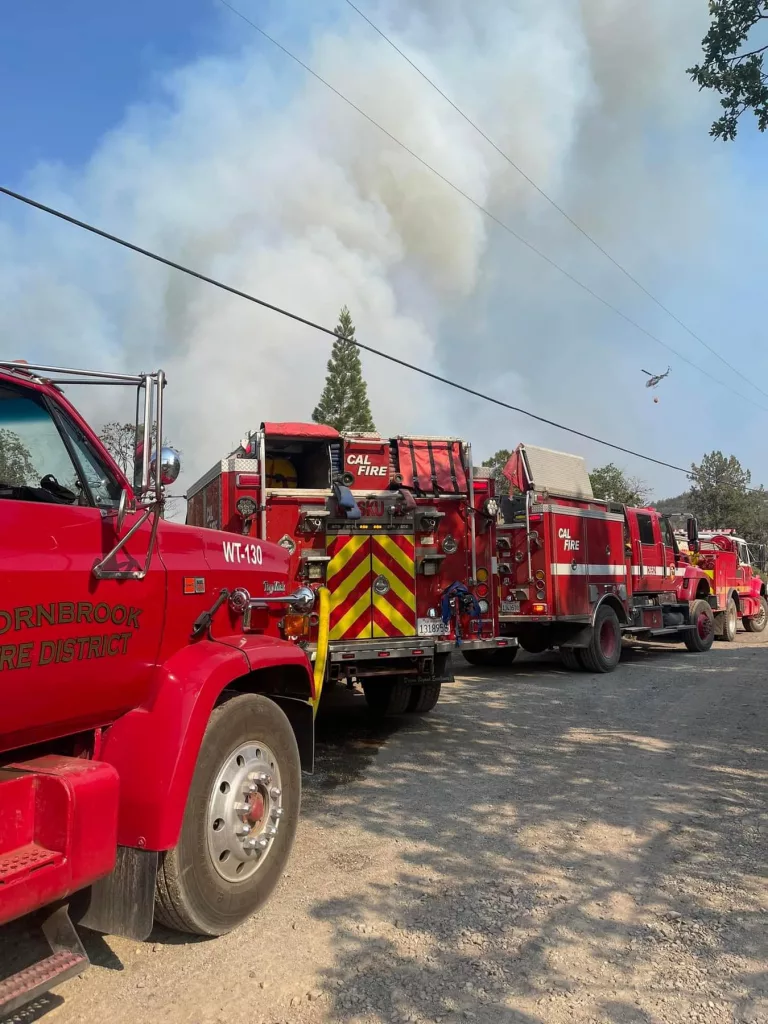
(733, 569)
(578, 573)
(400, 531)
(155, 714)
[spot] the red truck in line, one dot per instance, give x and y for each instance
(578, 573)
(399, 530)
(157, 708)
(733, 569)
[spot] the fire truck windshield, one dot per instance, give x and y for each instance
(35, 463)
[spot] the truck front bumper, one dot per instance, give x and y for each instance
(406, 648)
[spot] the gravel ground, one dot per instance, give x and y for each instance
(543, 847)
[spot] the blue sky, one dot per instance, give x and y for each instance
(175, 124)
(68, 71)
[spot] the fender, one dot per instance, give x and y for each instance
(154, 748)
(615, 602)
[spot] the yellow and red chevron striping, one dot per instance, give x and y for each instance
(357, 611)
(349, 579)
(394, 613)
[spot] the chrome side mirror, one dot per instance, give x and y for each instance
(170, 466)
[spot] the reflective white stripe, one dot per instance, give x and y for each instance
(567, 569)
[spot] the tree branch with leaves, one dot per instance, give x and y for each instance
(732, 66)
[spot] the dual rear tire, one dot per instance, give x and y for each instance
(395, 697)
(604, 649)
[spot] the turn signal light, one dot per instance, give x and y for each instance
(482, 575)
(295, 626)
(539, 609)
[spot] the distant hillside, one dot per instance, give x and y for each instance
(677, 504)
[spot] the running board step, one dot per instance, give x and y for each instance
(68, 959)
(35, 981)
(23, 860)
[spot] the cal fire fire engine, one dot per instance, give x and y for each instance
(155, 716)
(400, 531)
(578, 573)
(732, 568)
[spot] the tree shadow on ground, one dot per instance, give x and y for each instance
(569, 847)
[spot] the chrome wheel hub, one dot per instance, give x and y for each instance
(244, 811)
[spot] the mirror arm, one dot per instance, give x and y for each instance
(131, 574)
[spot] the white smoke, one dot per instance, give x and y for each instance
(250, 171)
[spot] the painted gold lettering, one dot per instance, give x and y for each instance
(24, 616)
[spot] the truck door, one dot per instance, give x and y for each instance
(647, 561)
(74, 651)
(670, 553)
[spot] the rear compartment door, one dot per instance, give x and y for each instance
(372, 580)
(393, 564)
(569, 563)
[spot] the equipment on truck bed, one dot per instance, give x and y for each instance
(157, 706)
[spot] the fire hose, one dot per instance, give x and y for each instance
(321, 655)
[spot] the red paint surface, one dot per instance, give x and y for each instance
(136, 688)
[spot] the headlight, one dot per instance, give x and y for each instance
(246, 506)
(491, 507)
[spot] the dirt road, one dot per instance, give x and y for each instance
(544, 847)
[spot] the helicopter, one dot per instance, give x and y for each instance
(655, 378)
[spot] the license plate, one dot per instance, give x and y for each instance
(510, 607)
(432, 627)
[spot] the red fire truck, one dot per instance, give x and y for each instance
(400, 530)
(578, 573)
(155, 715)
(733, 569)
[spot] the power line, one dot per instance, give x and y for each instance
(628, 274)
(329, 331)
(491, 216)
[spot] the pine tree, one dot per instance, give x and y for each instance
(344, 402)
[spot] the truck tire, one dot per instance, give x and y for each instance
(248, 772)
(604, 650)
(702, 637)
(502, 657)
(423, 698)
(387, 698)
(571, 659)
(730, 621)
(757, 623)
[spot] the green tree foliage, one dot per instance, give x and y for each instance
(722, 498)
(496, 464)
(16, 468)
(733, 66)
(344, 402)
(611, 483)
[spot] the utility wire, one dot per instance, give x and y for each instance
(491, 216)
(329, 331)
(552, 202)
